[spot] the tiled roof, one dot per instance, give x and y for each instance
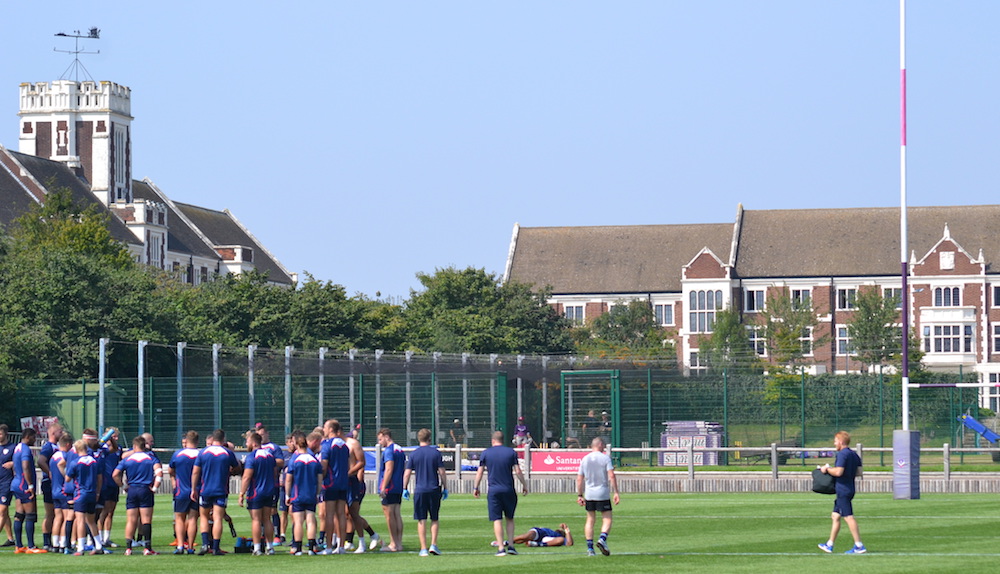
(613, 259)
(181, 238)
(54, 174)
(222, 228)
(856, 241)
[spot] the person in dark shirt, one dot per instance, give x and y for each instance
(501, 462)
(845, 469)
(6, 476)
(457, 433)
(430, 487)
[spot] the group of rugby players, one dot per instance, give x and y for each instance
(82, 480)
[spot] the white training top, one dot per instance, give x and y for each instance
(594, 467)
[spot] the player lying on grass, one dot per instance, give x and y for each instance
(539, 536)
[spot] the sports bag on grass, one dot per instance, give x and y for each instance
(823, 483)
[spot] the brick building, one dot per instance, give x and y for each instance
(77, 136)
(822, 256)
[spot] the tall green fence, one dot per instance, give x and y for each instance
(754, 410)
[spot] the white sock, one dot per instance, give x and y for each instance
(105, 535)
(829, 542)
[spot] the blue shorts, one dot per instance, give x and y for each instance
(5, 495)
(392, 498)
(47, 490)
(22, 495)
(139, 497)
(356, 490)
(282, 502)
(501, 504)
(60, 503)
(334, 494)
(843, 506)
(109, 494)
(303, 507)
(86, 504)
(426, 503)
(184, 505)
(212, 501)
(259, 502)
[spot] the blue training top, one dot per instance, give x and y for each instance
(850, 461)
(84, 470)
(424, 463)
(499, 461)
(22, 453)
(397, 456)
(138, 468)
(216, 463)
(182, 464)
(6, 475)
(306, 471)
(336, 454)
(261, 462)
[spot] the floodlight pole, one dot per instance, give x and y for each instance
(903, 243)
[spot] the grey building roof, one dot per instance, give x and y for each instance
(613, 259)
(15, 200)
(856, 241)
(222, 229)
(181, 237)
(53, 174)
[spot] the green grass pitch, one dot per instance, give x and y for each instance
(767, 532)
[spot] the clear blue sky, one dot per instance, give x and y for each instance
(364, 142)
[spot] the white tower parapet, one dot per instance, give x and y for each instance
(86, 125)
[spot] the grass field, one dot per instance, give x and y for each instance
(773, 532)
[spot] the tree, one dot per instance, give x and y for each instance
(728, 347)
(65, 282)
(874, 334)
(470, 310)
(788, 325)
(626, 331)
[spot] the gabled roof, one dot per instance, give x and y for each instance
(223, 229)
(181, 237)
(613, 259)
(856, 241)
(15, 199)
(53, 174)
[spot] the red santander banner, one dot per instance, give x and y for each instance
(557, 460)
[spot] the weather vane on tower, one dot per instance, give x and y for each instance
(74, 68)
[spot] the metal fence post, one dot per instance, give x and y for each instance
(216, 385)
(288, 389)
(101, 373)
(251, 391)
(180, 389)
(322, 390)
(140, 379)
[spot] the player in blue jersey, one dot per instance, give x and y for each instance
(279, 462)
(501, 462)
(356, 490)
(257, 492)
(539, 536)
(302, 484)
(6, 476)
(23, 488)
(54, 431)
(139, 473)
(86, 473)
(107, 498)
(430, 487)
(60, 502)
(210, 487)
(846, 468)
(390, 481)
(335, 456)
(185, 508)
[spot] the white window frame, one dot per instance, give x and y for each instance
(702, 306)
(845, 345)
(890, 292)
(658, 313)
(758, 341)
(802, 298)
(942, 339)
(847, 298)
(753, 300)
(576, 316)
(947, 297)
(807, 342)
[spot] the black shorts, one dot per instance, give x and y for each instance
(47, 490)
(426, 503)
(501, 504)
(356, 490)
(184, 505)
(598, 505)
(392, 498)
(212, 501)
(303, 507)
(139, 497)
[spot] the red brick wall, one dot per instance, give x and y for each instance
(705, 267)
(85, 147)
(43, 141)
